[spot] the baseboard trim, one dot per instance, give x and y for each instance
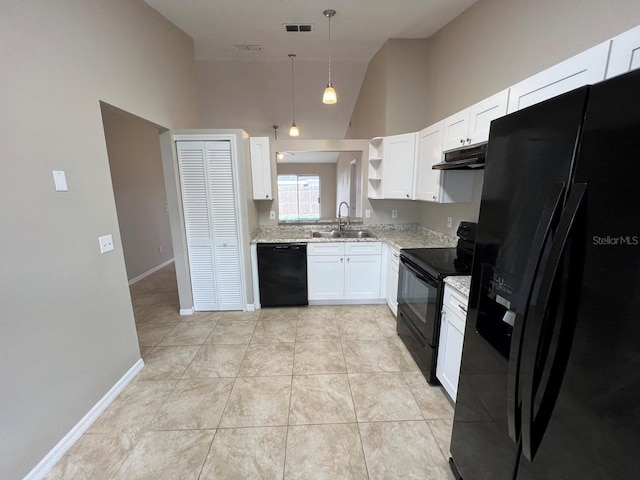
(149, 272)
(251, 307)
(371, 301)
(187, 311)
(49, 461)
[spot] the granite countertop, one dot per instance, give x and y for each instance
(395, 235)
(462, 284)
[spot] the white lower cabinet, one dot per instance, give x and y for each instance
(453, 319)
(393, 263)
(337, 272)
(322, 272)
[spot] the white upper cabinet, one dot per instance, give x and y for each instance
(583, 69)
(455, 130)
(429, 153)
(398, 161)
(439, 186)
(261, 168)
(471, 125)
(625, 53)
(483, 113)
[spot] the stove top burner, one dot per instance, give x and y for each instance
(440, 262)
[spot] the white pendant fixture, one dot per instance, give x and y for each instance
(329, 97)
(293, 131)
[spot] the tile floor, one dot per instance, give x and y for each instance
(317, 392)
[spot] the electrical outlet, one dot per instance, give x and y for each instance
(367, 213)
(272, 215)
(106, 243)
(394, 213)
(449, 222)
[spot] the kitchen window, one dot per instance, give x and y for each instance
(299, 197)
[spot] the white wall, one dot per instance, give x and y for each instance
(67, 326)
(135, 163)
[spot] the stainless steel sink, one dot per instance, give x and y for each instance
(343, 234)
(329, 234)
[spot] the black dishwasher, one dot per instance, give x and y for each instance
(282, 274)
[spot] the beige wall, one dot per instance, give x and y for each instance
(68, 333)
(407, 92)
(492, 45)
(135, 163)
(255, 94)
(327, 173)
(369, 117)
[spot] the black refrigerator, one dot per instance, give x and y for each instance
(550, 377)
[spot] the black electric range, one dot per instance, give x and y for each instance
(420, 290)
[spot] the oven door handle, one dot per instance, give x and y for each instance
(409, 266)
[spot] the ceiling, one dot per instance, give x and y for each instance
(358, 30)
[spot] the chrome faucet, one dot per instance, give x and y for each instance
(340, 224)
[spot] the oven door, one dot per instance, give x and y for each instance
(418, 296)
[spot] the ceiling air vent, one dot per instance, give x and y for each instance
(298, 27)
(248, 48)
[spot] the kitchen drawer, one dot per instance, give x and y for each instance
(455, 302)
(332, 248)
(453, 317)
(363, 248)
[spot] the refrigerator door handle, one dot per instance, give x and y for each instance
(534, 424)
(543, 230)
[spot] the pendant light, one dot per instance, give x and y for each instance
(293, 131)
(329, 97)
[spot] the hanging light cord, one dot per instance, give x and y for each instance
(329, 50)
(293, 96)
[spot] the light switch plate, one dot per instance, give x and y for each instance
(367, 213)
(394, 213)
(60, 181)
(449, 222)
(272, 215)
(106, 243)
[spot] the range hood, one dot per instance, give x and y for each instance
(471, 158)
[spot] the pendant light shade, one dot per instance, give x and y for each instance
(329, 97)
(293, 131)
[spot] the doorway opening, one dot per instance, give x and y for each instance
(137, 177)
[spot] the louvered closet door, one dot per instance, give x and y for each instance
(197, 218)
(225, 224)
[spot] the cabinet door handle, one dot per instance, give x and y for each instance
(396, 255)
(462, 141)
(463, 308)
(407, 195)
(267, 196)
(347, 259)
(434, 197)
(468, 140)
(342, 259)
